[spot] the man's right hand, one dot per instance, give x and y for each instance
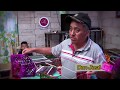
(28, 50)
(46, 50)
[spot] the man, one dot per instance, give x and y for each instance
(24, 45)
(78, 49)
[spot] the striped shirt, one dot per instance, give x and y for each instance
(91, 53)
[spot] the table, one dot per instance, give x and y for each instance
(36, 59)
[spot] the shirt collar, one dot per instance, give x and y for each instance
(85, 48)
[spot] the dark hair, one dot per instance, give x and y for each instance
(24, 42)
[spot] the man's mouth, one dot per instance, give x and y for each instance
(73, 39)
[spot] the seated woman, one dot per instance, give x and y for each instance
(24, 45)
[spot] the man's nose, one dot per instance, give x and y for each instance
(72, 32)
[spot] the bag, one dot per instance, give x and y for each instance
(22, 66)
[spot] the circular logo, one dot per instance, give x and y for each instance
(43, 21)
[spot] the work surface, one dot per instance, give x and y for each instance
(6, 72)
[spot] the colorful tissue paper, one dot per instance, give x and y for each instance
(22, 66)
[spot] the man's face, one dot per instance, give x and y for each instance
(23, 46)
(77, 32)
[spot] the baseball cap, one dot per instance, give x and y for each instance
(80, 17)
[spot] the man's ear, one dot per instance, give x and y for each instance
(88, 33)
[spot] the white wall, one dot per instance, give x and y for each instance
(111, 27)
(30, 30)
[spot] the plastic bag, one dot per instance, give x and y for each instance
(22, 66)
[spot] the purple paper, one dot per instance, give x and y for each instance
(22, 66)
(107, 67)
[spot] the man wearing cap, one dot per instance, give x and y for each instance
(78, 49)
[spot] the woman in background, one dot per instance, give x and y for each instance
(24, 45)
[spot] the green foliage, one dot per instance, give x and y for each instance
(4, 39)
(1, 21)
(6, 59)
(6, 53)
(2, 34)
(7, 41)
(13, 35)
(1, 13)
(1, 28)
(1, 55)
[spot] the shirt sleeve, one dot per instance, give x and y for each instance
(100, 58)
(56, 50)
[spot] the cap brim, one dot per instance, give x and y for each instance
(71, 18)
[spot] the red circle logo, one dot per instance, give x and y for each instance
(43, 22)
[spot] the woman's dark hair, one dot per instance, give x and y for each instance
(20, 51)
(24, 42)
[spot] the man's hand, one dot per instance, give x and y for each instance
(89, 73)
(81, 75)
(46, 50)
(27, 50)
